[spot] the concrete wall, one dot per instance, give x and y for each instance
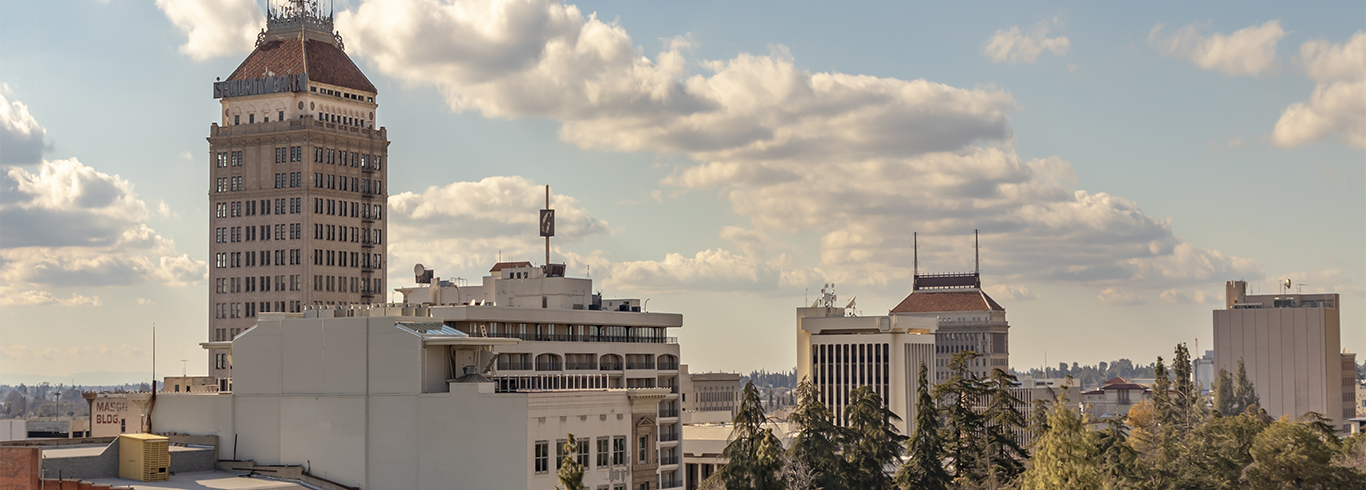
(192, 459)
(1291, 355)
(590, 414)
(469, 435)
(105, 464)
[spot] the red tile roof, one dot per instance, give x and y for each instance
(934, 301)
(1118, 383)
(509, 265)
(326, 64)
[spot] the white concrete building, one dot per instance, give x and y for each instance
(1291, 347)
(417, 396)
(839, 353)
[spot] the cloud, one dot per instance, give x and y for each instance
(1322, 281)
(1011, 292)
(1247, 51)
(860, 161)
(464, 225)
(1117, 296)
(215, 27)
(10, 296)
(1338, 104)
(68, 224)
(1017, 47)
(21, 137)
(145, 302)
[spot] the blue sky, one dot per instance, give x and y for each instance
(722, 159)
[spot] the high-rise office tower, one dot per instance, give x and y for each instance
(296, 180)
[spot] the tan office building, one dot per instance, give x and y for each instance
(1290, 346)
(296, 181)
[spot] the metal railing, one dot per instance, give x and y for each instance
(667, 413)
(640, 365)
(668, 437)
(545, 337)
(668, 460)
(548, 366)
(516, 366)
(615, 366)
(580, 366)
(668, 366)
(551, 382)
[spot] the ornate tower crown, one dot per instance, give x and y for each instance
(296, 18)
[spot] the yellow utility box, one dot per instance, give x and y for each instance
(144, 457)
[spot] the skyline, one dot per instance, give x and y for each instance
(723, 160)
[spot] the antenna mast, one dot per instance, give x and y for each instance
(915, 246)
(547, 237)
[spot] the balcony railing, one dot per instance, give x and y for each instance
(670, 483)
(516, 366)
(667, 413)
(668, 366)
(545, 337)
(615, 366)
(668, 437)
(549, 382)
(580, 366)
(548, 366)
(667, 460)
(640, 365)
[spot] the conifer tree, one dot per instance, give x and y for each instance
(815, 446)
(571, 472)
(1243, 392)
(1187, 406)
(1162, 393)
(1223, 394)
(752, 463)
(964, 430)
(871, 442)
(1005, 457)
(1064, 456)
(924, 468)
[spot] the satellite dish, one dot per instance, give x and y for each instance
(418, 269)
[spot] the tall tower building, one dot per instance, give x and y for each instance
(296, 180)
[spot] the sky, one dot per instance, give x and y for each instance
(725, 160)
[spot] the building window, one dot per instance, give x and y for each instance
(282, 115)
(542, 456)
(237, 159)
(221, 184)
(223, 159)
(644, 450)
(603, 452)
(559, 453)
(236, 184)
(618, 450)
(582, 442)
(221, 260)
(251, 118)
(236, 119)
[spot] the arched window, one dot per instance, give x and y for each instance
(549, 362)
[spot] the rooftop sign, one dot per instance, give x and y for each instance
(297, 82)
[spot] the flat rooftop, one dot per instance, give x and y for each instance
(208, 480)
(96, 449)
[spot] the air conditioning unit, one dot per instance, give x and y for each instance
(144, 457)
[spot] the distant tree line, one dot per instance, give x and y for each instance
(1090, 377)
(967, 434)
(41, 400)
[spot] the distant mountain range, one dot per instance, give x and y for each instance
(93, 378)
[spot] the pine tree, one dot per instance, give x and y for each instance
(964, 432)
(1116, 456)
(1224, 402)
(1005, 457)
(571, 472)
(872, 441)
(1162, 394)
(751, 460)
(815, 445)
(1243, 392)
(1064, 456)
(1187, 406)
(924, 468)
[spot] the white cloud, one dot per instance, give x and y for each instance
(1018, 47)
(1177, 296)
(145, 302)
(1338, 104)
(1010, 292)
(21, 137)
(1117, 296)
(215, 27)
(860, 161)
(11, 296)
(1247, 51)
(1322, 281)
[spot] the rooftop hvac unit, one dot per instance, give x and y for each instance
(144, 457)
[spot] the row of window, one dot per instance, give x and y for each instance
(233, 234)
(541, 451)
(224, 260)
(338, 233)
(339, 258)
(339, 284)
(289, 154)
(249, 310)
(334, 207)
(223, 159)
(344, 183)
(226, 184)
(347, 158)
(291, 179)
(251, 118)
(236, 209)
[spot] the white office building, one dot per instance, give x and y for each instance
(481, 392)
